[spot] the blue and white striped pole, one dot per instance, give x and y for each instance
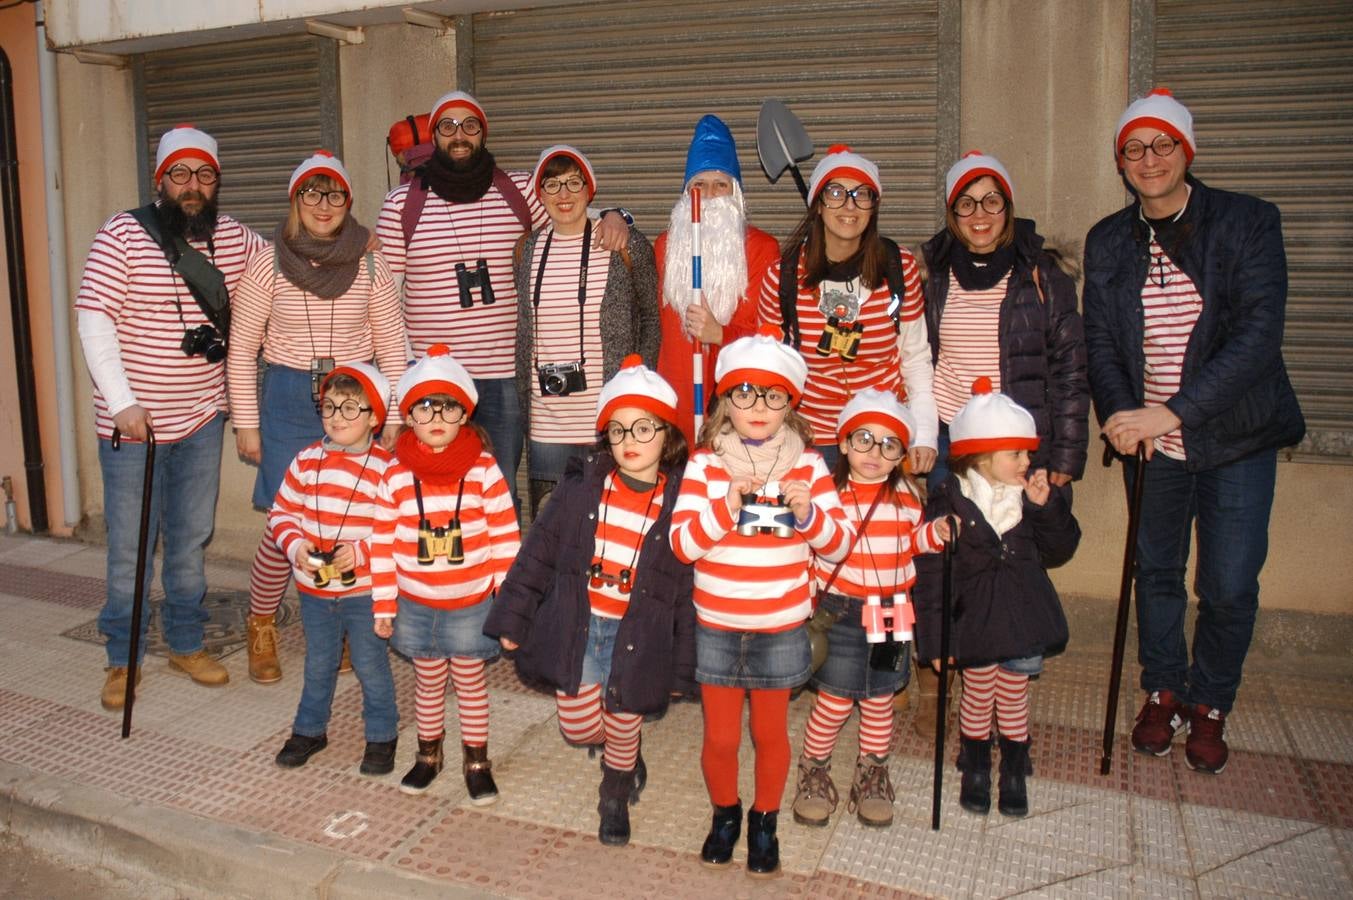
(698, 299)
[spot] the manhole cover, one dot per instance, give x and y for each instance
(225, 631)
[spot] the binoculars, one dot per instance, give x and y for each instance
(440, 541)
(623, 580)
(759, 516)
(887, 625)
(326, 571)
(469, 279)
(840, 338)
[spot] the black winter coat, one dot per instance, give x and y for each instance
(1005, 606)
(543, 605)
(1042, 343)
(1235, 398)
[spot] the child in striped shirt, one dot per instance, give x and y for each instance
(756, 503)
(441, 547)
(597, 605)
(321, 520)
(865, 598)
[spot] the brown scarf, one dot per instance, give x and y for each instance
(763, 462)
(459, 185)
(447, 467)
(325, 268)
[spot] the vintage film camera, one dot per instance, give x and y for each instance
(561, 379)
(469, 279)
(440, 541)
(842, 338)
(320, 366)
(759, 516)
(204, 341)
(326, 572)
(887, 624)
(623, 580)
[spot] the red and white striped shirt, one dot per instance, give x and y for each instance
(293, 327)
(885, 360)
(482, 338)
(880, 564)
(489, 534)
(570, 419)
(1170, 307)
(128, 280)
(970, 344)
(330, 496)
(623, 519)
(755, 582)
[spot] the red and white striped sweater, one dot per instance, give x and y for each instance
(1170, 308)
(623, 518)
(880, 564)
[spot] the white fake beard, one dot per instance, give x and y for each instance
(723, 255)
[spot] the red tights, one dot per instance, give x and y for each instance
(723, 733)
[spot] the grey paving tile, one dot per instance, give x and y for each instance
(1217, 837)
(1307, 865)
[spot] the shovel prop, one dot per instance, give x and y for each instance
(1124, 604)
(139, 596)
(781, 143)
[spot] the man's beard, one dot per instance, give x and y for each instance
(467, 164)
(723, 255)
(199, 226)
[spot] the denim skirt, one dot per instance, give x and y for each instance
(424, 632)
(601, 631)
(766, 660)
(846, 673)
(288, 423)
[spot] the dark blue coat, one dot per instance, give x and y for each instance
(1235, 397)
(543, 605)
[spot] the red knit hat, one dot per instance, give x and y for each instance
(639, 386)
(181, 142)
(375, 385)
(437, 373)
(1158, 109)
(991, 421)
(874, 407)
(576, 156)
(761, 359)
(974, 165)
(842, 162)
(321, 162)
(463, 100)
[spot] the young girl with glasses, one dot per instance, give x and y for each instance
(865, 604)
(756, 503)
(315, 298)
(597, 606)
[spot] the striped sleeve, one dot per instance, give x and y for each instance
(701, 517)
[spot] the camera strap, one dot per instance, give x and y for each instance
(582, 291)
(205, 282)
(831, 579)
(789, 290)
(418, 498)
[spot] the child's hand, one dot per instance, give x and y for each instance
(508, 644)
(921, 459)
(944, 532)
(388, 435)
(935, 664)
(303, 555)
(345, 558)
(1036, 487)
(384, 628)
(799, 499)
(736, 489)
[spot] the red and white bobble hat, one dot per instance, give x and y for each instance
(321, 162)
(463, 101)
(639, 386)
(436, 373)
(1158, 109)
(761, 359)
(183, 141)
(874, 407)
(991, 421)
(375, 385)
(842, 162)
(574, 154)
(974, 165)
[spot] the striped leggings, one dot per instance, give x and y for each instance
(988, 690)
(583, 720)
(472, 698)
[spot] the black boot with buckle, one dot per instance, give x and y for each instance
(425, 767)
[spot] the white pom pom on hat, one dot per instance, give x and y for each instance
(437, 373)
(842, 162)
(458, 98)
(584, 165)
(974, 165)
(1158, 109)
(639, 386)
(761, 359)
(874, 407)
(991, 421)
(375, 385)
(321, 162)
(183, 141)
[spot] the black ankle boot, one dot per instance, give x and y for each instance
(1015, 765)
(615, 792)
(640, 779)
(478, 774)
(763, 847)
(425, 768)
(974, 761)
(723, 834)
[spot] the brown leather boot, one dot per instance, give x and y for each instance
(425, 767)
(479, 774)
(263, 665)
(927, 698)
(345, 661)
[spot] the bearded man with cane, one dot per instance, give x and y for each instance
(734, 259)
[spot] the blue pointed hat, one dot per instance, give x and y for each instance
(712, 147)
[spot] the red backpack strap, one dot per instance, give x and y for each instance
(414, 201)
(513, 195)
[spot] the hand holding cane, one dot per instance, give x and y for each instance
(942, 709)
(1124, 603)
(139, 593)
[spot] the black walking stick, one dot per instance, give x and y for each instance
(139, 596)
(1124, 603)
(942, 712)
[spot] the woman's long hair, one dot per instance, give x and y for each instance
(294, 228)
(810, 234)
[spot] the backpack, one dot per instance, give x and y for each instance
(417, 198)
(789, 291)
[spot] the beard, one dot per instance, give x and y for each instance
(723, 255)
(198, 226)
(468, 164)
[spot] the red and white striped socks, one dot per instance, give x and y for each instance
(583, 721)
(472, 698)
(988, 690)
(268, 578)
(829, 716)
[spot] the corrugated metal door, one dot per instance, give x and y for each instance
(1270, 86)
(269, 103)
(627, 82)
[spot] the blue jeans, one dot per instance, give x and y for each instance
(288, 423)
(601, 632)
(1231, 504)
(499, 413)
(183, 506)
(326, 621)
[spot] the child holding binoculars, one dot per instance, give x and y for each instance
(439, 552)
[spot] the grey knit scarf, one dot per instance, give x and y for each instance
(325, 268)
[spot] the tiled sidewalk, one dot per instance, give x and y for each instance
(1278, 822)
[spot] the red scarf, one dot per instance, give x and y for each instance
(446, 467)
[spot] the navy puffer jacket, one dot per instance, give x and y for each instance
(1042, 342)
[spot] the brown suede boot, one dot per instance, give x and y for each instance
(263, 665)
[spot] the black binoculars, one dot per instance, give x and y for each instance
(843, 339)
(327, 571)
(440, 541)
(469, 279)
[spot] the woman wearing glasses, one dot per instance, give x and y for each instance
(316, 298)
(854, 307)
(580, 313)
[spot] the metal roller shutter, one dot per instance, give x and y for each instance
(269, 103)
(626, 84)
(1271, 91)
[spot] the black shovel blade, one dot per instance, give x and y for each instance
(781, 141)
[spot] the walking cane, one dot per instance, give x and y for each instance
(942, 713)
(139, 595)
(697, 299)
(1124, 603)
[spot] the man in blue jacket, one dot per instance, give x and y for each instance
(1184, 303)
